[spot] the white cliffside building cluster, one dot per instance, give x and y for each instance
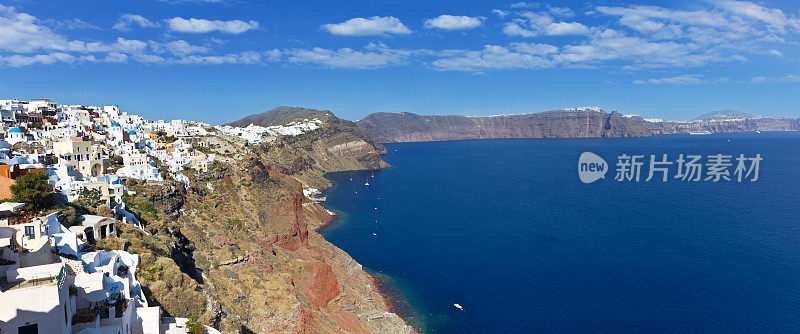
(48, 284)
(76, 144)
(255, 134)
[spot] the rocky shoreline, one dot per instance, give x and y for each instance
(394, 303)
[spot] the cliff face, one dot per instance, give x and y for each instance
(736, 125)
(574, 123)
(408, 127)
(240, 241)
(339, 145)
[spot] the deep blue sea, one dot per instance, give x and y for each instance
(506, 229)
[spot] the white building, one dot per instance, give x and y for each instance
(138, 166)
(15, 135)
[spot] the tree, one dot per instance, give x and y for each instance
(117, 160)
(31, 189)
(90, 197)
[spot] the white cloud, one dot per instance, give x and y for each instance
(71, 24)
(773, 17)
(374, 56)
(46, 59)
(21, 33)
(522, 5)
(631, 16)
(115, 57)
(734, 24)
(128, 21)
(492, 57)
(561, 11)
(373, 26)
(193, 25)
(686, 79)
(623, 37)
(775, 53)
(501, 13)
(534, 48)
(566, 28)
(148, 58)
(611, 45)
(247, 57)
(451, 22)
(531, 24)
(179, 48)
(784, 79)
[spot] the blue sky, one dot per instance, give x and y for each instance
(219, 60)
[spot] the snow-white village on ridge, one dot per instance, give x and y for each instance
(52, 278)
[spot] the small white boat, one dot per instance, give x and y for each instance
(375, 234)
(758, 132)
(458, 306)
(366, 184)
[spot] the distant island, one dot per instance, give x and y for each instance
(586, 122)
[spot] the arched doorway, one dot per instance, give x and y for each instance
(97, 169)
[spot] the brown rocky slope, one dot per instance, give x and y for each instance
(238, 248)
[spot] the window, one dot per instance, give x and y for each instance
(29, 232)
(29, 329)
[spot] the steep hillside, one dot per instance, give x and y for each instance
(731, 125)
(333, 126)
(282, 115)
(569, 123)
(240, 246)
(722, 115)
(587, 122)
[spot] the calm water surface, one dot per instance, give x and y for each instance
(505, 228)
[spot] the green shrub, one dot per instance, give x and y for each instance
(192, 327)
(31, 189)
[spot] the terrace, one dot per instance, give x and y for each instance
(5, 285)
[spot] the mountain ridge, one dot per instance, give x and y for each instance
(724, 114)
(563, 123)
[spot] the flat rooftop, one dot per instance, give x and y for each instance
(29, 283)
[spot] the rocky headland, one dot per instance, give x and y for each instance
(238, 249)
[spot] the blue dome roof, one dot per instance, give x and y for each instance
(132, 133)
(115, 124)
(15, 130)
